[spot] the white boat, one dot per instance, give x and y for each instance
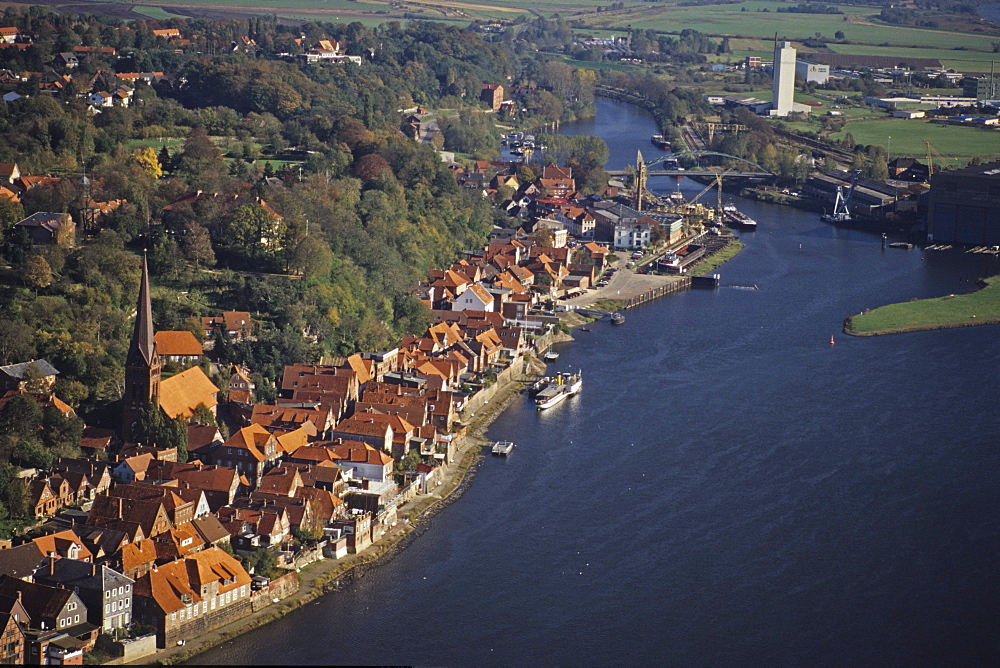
(502, 448)
(550, 356)
(561, 387)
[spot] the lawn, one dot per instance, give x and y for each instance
(977, 308)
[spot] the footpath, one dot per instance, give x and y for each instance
(329, 575)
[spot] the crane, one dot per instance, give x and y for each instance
(841, 213)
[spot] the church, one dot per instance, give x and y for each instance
(177, 396)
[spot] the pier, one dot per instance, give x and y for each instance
(655, 293)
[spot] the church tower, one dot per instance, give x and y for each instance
(142, 366)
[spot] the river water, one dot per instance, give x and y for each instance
(728, 487)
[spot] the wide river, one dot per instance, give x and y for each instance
(728, 487)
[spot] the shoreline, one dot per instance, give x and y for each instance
(328, 576)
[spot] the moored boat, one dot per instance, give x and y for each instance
(550, 356)
(563, 386)
(659, 141)
(617, 319)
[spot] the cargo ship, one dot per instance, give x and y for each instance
(736, 218)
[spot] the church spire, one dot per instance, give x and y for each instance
(142, 364)
(142, 349)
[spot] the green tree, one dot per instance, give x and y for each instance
(36, 272)
(154, 428)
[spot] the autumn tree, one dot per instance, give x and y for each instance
(201, 161)
(36, 272)
(147, 160)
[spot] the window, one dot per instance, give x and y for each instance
(107, 594)
(62, 623)
(76, 619)
(126, 602)
(128, 588)
(107, 608)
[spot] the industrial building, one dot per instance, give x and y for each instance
(965, 206)
(783, 87)
(812, 72)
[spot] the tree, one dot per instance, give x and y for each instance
(153, 427)
(312, 258)
(196, 244)
(839, 34)
(147, 160)
(36, 272)
(201, 161)
(203, 415)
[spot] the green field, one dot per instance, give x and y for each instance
(157, 13)
(977, 308)
(908, 137)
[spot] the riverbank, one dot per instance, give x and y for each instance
(981, 307)
(328, 576)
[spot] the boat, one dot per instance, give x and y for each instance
(901, 244)
(737, 218)
(539, 385)
(617, 319)
(550, 356)
(564, 385)
(502, 448)
(659, 141)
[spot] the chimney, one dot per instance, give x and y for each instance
(52, 566)
(93, 570)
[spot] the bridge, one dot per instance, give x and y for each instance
(642, 172)
(712, 173)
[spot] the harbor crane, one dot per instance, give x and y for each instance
(841, 211)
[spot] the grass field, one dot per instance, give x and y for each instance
(731, 20)
(977, 308)
(156, 13)
(908, 137)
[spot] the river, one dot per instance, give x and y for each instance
(728, 487)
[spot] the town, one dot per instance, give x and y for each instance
(226, 373)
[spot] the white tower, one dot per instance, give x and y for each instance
(783, 88)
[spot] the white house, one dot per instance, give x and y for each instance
(632, 234)
(476, 298)
(101, 99)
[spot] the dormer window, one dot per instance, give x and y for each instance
(186, 542)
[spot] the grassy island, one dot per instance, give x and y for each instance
(976, 308)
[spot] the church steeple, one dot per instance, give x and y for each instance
(142, 365)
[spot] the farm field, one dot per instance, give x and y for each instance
(955, 144)
(731, 20)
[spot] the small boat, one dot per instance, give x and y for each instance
(550, 356)
(564, 385)
(659, 141)
(502, 448)
(901, 244)
(538, 385)
(832, 342)
(617, 319)
(585, 329)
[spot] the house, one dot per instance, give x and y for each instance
(9, 34)
(251, 451)
(181, 394)
(259, 524)
(13, 620)
(106, 593)
(192, 595)
(67, 60)
(476, 298)
(47, 495)
(46, 606)
(9, 172)
(202, 441)
(33, 376)
(179, 347)
(167, 33)
(241, 386)
(289, 418)
(492, 95)
(98, 474)
(50, 228)
(374, 434)
(236, 323)
(139, 518)
(132, 469)
(219, 483)
(363, 460)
